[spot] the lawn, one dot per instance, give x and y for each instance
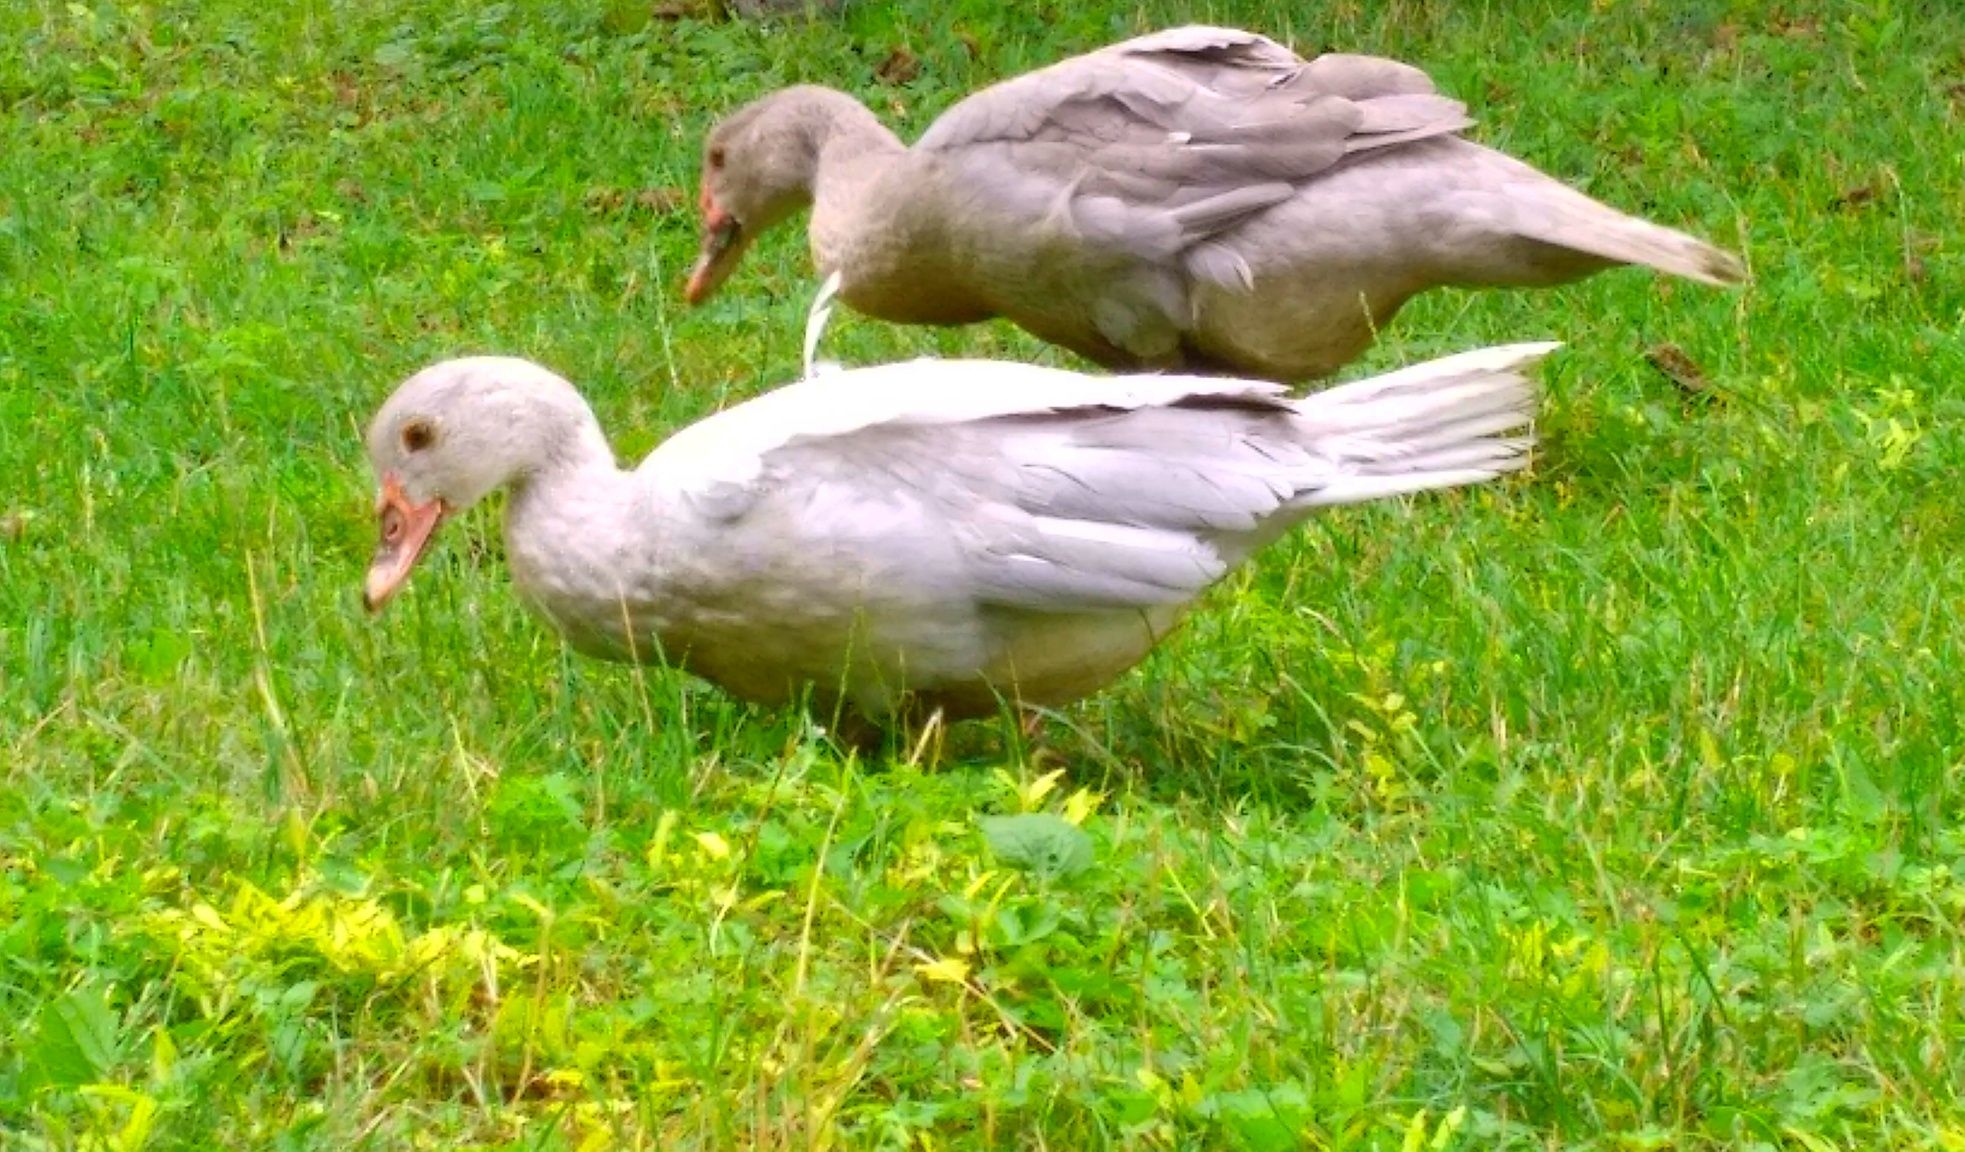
(1614, 806)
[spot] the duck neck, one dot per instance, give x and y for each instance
(846, 138)
(577, 532)
(567, 444)
(858, 166)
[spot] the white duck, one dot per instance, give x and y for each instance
(1202, 198)
(941, 534)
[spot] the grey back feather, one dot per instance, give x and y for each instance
(1081, 509)
(1157, 144)
(1053, 492)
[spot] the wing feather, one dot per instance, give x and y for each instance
(1043, 490)
(1057, 491)
(1191, 115)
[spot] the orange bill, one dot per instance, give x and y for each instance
(723, 245)
(406, 531)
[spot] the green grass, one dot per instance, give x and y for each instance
(1618, 807)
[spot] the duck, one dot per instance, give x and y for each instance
(932, 536)
(1199, 200)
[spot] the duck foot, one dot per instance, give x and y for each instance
(912, 740)
(1036, 750)
(853, 733)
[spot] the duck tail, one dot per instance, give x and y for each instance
(1568, 219)
(1457, 420)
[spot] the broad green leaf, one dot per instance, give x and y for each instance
(1041, 843)
(75, 1042)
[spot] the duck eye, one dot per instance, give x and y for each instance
(418, 435)
(716, 156)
